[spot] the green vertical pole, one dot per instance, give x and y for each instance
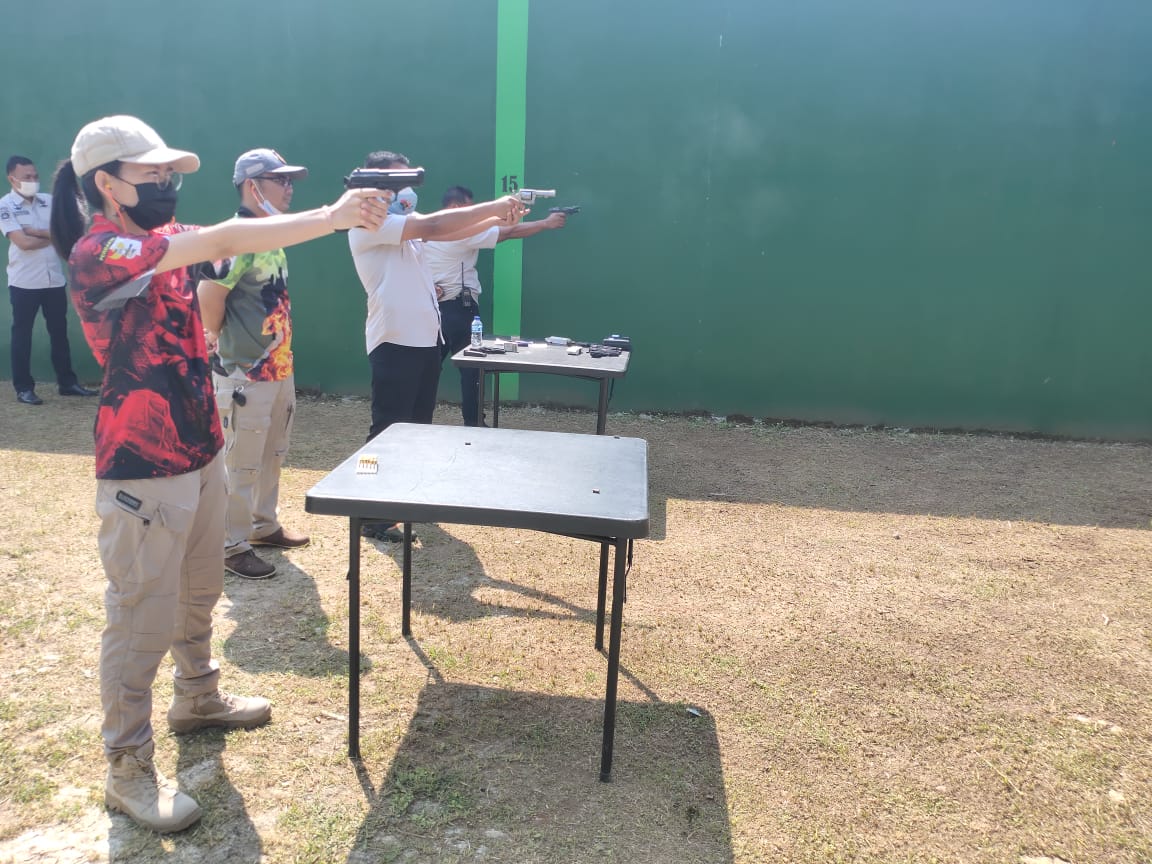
(511, 111)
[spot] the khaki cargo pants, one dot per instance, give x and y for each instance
(161, 543)
(256, 437)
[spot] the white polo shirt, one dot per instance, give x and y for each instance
(402, 306)
(453, 262)
(36, 268)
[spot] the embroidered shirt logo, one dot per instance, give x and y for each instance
(121, 249)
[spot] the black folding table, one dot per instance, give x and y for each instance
(551, 359)
(584, 486)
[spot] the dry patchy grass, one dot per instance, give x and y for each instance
(902, 648)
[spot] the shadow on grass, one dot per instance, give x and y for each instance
(983, 476)
(281, 625)
(851, 470)
(224, 833)
(446, 574)
(977, 476)
(513, 776)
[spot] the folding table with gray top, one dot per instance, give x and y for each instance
(551, 359)
(584, 486)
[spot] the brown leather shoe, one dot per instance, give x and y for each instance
(282, 538)
(249, 565)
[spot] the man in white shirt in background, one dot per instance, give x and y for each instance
(35, 283)
(453, 266)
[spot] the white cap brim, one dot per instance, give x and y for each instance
(290, 170)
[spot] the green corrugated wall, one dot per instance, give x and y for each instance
(917, 214)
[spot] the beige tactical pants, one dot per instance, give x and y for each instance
(256, 437)
(161, 543)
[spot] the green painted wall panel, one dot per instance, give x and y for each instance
(323, 83)
(887, 212)
(898, 212)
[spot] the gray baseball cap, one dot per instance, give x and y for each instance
(255, 163)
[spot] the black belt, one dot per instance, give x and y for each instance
(465, 297)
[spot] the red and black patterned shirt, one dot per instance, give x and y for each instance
(157, 415)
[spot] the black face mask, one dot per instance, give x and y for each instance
(156, 206)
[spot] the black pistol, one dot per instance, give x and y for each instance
(567, 211)
(384, 178)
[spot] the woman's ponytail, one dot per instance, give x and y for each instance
(67, 221)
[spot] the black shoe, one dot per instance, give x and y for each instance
(29, 397)
(77, 390)
(382, 531)
(249, 565)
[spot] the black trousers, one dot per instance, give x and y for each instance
(53, 302)
(456, 323)
(404, 382)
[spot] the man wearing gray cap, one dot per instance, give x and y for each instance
(248, 321)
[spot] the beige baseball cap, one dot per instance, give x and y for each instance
(126, 139)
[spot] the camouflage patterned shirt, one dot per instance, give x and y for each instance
(256, 336)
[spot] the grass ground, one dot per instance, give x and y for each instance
(895, 647)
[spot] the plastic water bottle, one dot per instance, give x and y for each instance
(477, 332)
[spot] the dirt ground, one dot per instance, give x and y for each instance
(839, 645)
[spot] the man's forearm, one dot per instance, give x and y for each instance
(473, 230)
(461, 221)
(212, 296)
(524, 229)
(446, 224)
(29, 242)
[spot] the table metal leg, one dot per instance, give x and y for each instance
(405, 622)
(354, 638)
(480, 396)
(619, 574)
(495, 400)
(602, 409)
(601, 596)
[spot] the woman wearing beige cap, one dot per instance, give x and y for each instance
(161, 487)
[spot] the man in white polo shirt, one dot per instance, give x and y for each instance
(402, 331)
(35, 283)
(453, 266)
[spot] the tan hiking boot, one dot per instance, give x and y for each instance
(217, 710)
(134, 787)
